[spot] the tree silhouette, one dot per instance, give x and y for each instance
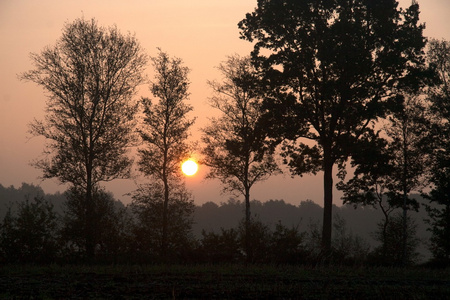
(439, 196)
(148, 206)
(165, 131)
(236, 149)
(330, 67)
(111, 228)
(91, 75)
(389, 169)
(30, 235)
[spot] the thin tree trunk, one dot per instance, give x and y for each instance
(248, 245)
(405, 227)
(165, 217)
(405, 194)
(89, 222)
(328, 204)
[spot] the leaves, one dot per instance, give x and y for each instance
(90, 76)
(166, 124)
(236, 147)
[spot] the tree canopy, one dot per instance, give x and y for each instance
(331, 67)
(91, 76)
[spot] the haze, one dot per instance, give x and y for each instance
(201, 32)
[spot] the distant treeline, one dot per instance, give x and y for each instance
(216, 228)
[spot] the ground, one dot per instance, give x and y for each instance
(221, 282)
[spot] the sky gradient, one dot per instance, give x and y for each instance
(200, 32)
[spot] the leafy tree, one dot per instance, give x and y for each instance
(393, 250)
(30, 235)
(111, 228)
(90, 75)
(439, 196)
(388, 170)
(255, 239)
(148, 206)
(330, 67)
(236, 149)
(347, 247)
(164, 133)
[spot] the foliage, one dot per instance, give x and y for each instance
(391, 251)
(223, 247)
(287, 245)
(111, 226)
(235, 143)
(30, 235)
(235, 147)
(439, 196)
(393, 163)
(165, 126)
(330, 67)
(148, 206)
(90, 75)
(164, 133)
(346, 248)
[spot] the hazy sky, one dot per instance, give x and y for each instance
(201, 32)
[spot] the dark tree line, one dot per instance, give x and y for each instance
(35, 232)
(329, 83)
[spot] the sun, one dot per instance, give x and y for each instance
(189, 167)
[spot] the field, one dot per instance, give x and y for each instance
(221, 282)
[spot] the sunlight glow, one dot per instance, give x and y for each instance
(189, 167)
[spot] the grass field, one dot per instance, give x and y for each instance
(221, 282)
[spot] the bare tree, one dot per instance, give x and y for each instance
(235, 144)
(166, 129)
(90, 75)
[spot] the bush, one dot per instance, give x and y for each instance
(30, 236)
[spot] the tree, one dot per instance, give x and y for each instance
(235, 143)
(91, 75)
(30, 235)
(330, 67)
(165, 131)
(439, 96)
(388, 169)
(149, 232)
(111, 228)
(396, 249)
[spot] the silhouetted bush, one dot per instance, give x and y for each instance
(147, 208)
(390, 252)
(223, 247)
(287, 246)
(110, 227)
(30, 235)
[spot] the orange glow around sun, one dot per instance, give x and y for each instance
(189, 167)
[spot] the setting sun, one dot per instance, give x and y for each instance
(189, 167)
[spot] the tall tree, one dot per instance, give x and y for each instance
(439, 95)
(166, 129)
(91, 75)
(334, 64)
(235, 142)
(387, 170)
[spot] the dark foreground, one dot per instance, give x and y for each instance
(221, 282)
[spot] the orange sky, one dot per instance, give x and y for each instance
(201, 32)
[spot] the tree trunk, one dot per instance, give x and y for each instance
(89, 213)
(327, 204)
(248, 245)
(165, 218)
(405, 232)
